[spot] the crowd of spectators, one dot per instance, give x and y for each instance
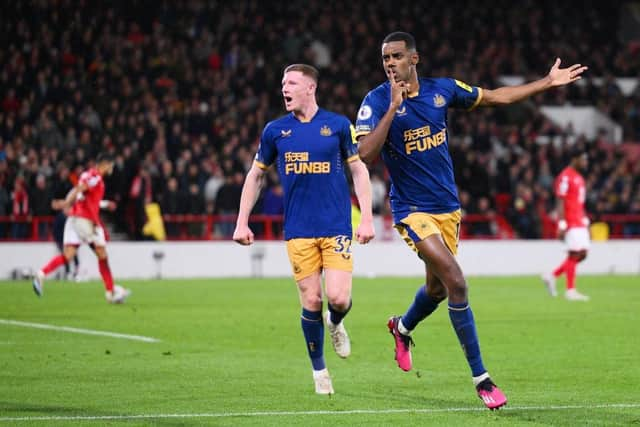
(179, 91)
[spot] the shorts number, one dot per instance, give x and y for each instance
(343, 245)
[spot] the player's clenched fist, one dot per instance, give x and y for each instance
(365, 232)
(243, 235)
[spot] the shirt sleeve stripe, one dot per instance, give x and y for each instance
(261, 165)
(353, 158)
(478, 99)
(362, 133)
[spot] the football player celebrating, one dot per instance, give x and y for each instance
(405, 121)
(311, 148)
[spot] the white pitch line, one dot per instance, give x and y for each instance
(306, 413)
(78, 330)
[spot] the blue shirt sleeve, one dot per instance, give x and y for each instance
(369, 115)
(463, 95)
(267, 151)
(348, 141)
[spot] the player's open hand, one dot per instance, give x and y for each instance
(243, 235)
(365, 232)
(399, 90)
(563, 76)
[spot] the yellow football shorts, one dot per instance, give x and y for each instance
(418, 226)
(309, 255)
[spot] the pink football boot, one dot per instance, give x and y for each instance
(491, 395)
(403, 344)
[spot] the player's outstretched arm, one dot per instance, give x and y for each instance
(250, 192)
(557, 77)
(362, 187)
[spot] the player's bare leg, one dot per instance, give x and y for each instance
(338, 289)
(444, 265)
(310, 292)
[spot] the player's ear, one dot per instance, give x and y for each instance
(415, 58)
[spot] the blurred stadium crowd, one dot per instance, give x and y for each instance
(179, 91)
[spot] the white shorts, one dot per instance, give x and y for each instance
(577, 239)
(78, 230)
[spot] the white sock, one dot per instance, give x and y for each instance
(402, 329)
(477, 380)
(320, 373)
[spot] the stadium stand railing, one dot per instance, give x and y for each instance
(269, 227)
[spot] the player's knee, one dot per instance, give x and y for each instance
(578, 255)
(458, 289)
(69, 253)
(311, 301)
(339, 302)
(336, 296)
(437, 293)
(101, 254)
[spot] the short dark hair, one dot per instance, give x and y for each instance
(400, 36)
(306, 69)
(576, 150)
(104, 158)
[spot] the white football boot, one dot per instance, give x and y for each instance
(323, 382)
(574, 295)
(339, 337)
(38, 283)
(550, 284)
(118, 296)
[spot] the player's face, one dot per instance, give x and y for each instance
(105, 168)
(398, 60)
(297, 90)
(583, 162)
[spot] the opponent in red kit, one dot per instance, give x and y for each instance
(572, 224)
(83, 225)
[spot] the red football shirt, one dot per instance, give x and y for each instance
(570, 187)
(87, 203)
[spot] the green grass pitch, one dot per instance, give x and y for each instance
(231, 353)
